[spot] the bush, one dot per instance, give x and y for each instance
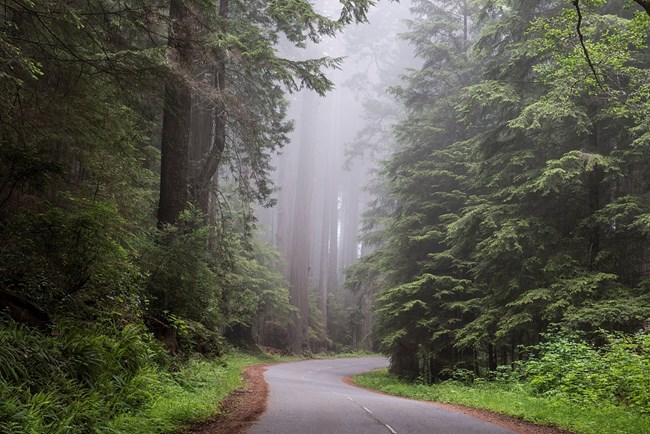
(617, 372)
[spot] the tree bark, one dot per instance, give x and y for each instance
(200, 184)
(324, 257)
(299, 257)
(174, 145)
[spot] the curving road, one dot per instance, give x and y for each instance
(310, 398)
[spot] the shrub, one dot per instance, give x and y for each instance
(618, 371)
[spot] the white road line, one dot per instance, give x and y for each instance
(390, 428)
(350, 398)
(367, 410)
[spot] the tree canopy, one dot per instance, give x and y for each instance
(519, 193)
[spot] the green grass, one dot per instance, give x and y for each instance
(344, 355)
(515, 400)
(192, 395)
(103, 379)
(189, 396)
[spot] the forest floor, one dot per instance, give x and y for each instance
(241, 409)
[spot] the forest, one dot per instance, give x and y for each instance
(463, 186)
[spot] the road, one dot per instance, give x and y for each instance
(310, 397)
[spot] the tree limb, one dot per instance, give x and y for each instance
(645, 4)
(576, 4)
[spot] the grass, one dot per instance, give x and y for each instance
(515, 400)
(189, 396)
(192, 395)
(82, 379)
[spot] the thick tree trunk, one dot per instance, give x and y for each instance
(201, 139)
(299, 258)
(210, 159)
(329, 240)
(174, 145)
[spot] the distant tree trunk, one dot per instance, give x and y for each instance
(350, 235)
(299, 257)
(285, 206)
(328, 254)
(324, 257)
(492, 357)
(174, 145)
(332, 266)
(366, 320)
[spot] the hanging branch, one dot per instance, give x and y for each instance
(576, 3)
(645, 4)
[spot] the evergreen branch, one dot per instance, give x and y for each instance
(576, 4)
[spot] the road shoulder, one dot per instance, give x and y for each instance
(242, 408)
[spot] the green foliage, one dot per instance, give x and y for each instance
(517, 400)
(105, 379)
(181, 281)
(81, 93)
(187, 396)
(616, 372)
(76, 381)
(517, 198)
(319, 340)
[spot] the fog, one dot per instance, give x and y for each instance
(323, 173)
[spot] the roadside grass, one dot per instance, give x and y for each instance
(514, 399)
(102, 378)
(345, 355)
(190, 395)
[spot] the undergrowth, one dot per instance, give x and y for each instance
(566, 382)
(110, 380)
(518, 401)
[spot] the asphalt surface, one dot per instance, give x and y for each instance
(311, 398)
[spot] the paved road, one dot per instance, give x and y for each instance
(311, 398)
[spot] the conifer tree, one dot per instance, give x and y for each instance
(518, 197)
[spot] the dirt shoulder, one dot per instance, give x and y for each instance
(244, 406)
(241, 408)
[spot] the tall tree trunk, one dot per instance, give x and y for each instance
(332, 266)
(324, 257)
(299, 257)
(174, 145)
(285, 205)
(328, 254)
(200, 185)
(201, 139)
(350, 235)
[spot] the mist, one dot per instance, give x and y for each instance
(323, 174)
